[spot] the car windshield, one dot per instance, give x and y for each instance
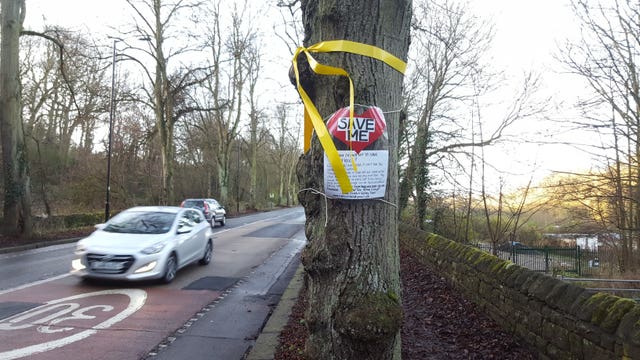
(141, 222)
(193, 204)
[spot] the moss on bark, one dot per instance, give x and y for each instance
(374, 317)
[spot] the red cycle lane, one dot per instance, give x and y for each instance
(59, 320)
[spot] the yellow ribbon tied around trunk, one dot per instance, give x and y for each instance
(312, 118)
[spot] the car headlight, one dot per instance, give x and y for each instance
(150, 266)
(77, 265)
(80, 249)
(154, 249)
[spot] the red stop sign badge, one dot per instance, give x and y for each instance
(366, 129)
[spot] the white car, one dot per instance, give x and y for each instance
(146, 242)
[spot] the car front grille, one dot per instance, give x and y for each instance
(109, 264)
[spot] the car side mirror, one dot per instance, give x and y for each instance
(184, 230)
(99, 226)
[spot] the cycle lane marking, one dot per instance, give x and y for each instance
(57, 314)
(70, 319)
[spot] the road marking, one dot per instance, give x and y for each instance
(40, 250)
(61, 308)
(254, 222)
(21, 287)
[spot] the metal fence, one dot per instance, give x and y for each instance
(591, 269)
(555, 260)
(628, 288)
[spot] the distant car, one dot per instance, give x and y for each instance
(508, 246)
(142, 243)
(211, 208)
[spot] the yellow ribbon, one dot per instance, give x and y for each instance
(312, 117)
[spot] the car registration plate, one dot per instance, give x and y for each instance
(106, 265)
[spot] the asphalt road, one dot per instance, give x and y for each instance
(210, 312)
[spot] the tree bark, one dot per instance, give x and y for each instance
(17, 197)
(352, 256)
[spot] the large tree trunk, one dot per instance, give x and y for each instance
(163, 106)
(17, 199)
(352, 257)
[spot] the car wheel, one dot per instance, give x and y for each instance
(208, 253)
(213, 222)
(170, 269)
(223, 221)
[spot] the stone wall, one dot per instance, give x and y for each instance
(560, 320)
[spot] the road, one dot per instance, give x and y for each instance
(47, 314)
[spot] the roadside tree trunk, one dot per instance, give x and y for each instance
(17, 197)
(252, 64)
(163, 106)
(352, 256)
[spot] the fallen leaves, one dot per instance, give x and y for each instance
(438, 323)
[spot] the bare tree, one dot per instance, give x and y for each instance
(503, 218)
(606, 57)
(447, 49)
(291, 31)
(53, 111)
(17, 197)
(256, 137)
(155, 20)
(197, 145)
(285, 152)
(231, 50)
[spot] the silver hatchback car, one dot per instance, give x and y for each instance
(211, 208)
(142, 243)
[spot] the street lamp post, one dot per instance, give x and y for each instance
(111, 110)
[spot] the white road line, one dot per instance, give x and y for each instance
(2, 292)
(253, 223)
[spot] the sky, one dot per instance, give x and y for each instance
(527, 34)
(92, 15)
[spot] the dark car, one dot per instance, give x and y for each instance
(509, 246)
(211, 208)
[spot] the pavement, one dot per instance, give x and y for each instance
(267, 342)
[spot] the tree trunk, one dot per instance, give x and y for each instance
(291, 161)
(352, 256)
(17, 197)
(163, 106)
(253, 153)
(281, 178)
(223, 174)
